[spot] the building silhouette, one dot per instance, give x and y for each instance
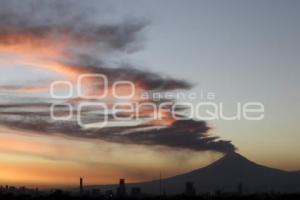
(121, 190)
(108, 194)
(95, 192)
(81, 185)
(240, 188)
(136, 192)
(190, 189)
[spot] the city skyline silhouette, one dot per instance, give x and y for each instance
(147, 99)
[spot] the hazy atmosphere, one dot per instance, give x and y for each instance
(239, 51)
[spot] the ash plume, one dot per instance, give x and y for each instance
(80, 42)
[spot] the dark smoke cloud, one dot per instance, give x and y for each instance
(148, 80)
(42, 22)
(38, 21)
(185, 134)
(19, 22)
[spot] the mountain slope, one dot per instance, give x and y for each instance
(226, 174)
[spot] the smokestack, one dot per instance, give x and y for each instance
(121, 190)
(160, 183)
(81, 185)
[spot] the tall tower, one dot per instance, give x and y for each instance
(81, 185)
(160, 185)
(121, 190)
(240, 188)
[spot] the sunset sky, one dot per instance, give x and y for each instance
(242, 51)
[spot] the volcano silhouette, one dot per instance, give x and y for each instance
(225, 175)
